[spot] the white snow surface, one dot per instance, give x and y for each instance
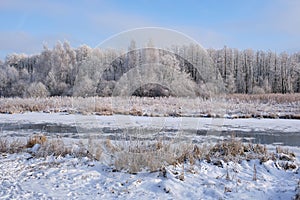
(25, 177)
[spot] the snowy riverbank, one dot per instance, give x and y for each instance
(26, 176)
(23, 177)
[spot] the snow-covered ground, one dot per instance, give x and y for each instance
(24, 176)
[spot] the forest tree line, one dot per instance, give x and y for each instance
(67, 71)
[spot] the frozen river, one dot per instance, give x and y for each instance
(265, 131)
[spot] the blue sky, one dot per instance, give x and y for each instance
(258, 24)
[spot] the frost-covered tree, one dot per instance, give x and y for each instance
(64, 70)
(84, 87)
(36, 90)
(60, 78)
(3, 82)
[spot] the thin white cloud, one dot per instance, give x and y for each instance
(281, 17)
(276, 17)
(97, 18)
(18, 42)
(206, 37)
(46, 7)
(118, 21)
(275, 26)
(23, 42)
(284, 16)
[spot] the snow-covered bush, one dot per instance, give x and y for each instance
(84, 87)
(37, 90)
(258, 90)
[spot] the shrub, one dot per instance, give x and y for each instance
(258, 90)
(14, 146)
(4, 146)
(55, 147)
(36, 139)
(37, 90)
(151, 156)
(235, 150)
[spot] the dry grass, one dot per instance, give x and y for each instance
(94, 149)
(235, 150)
(265, 98)
(297, 197)
(11, 146)
(154, 156)
(135, 156)
(36, 139)
(151, 156)
(3, 145)
(55, 147)
(238, 105)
